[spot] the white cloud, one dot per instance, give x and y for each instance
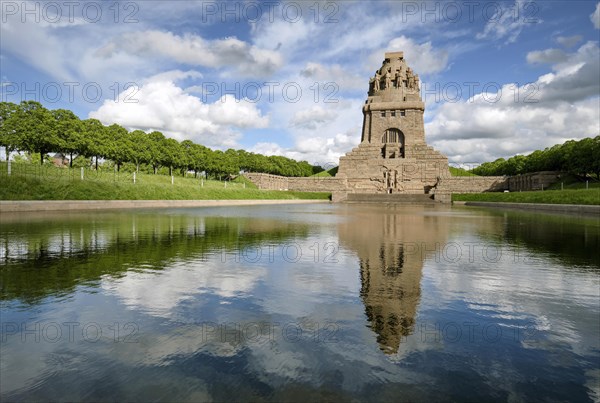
(174, 75)
(546, 56)
(312, 117)
(64, 51)
(422, 58)
(285, 36)
(559, 106)
(246, 59)
(33, 44)
(595, 17)
(323, 132)
(324, 151)
(507, 22)
(162, 105)
(335, 73)
(569, 41)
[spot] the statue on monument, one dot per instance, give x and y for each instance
(377, 80)
(398, 79)
(411, 82)
(388, 78)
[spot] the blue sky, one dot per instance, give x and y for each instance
(289, 78)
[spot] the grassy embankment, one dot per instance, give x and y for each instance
(35, 182)
(573, 192)
(328, 173)
(460, 172)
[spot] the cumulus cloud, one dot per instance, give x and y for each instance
(159, 104)
(595, 17)
(248, 60)
(573, 79)
(560, 105)
(324, 151)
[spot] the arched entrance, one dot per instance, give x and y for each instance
(393, 143)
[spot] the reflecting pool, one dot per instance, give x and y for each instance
(298, 302)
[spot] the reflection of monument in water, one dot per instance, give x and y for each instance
(391, 245)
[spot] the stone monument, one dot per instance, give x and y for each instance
(393, 156)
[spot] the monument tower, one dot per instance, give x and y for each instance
(393, 156)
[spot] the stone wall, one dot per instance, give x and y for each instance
(533, 181)
(472, 184)
(267, 181)
(317, 184)
(446, 185)
(340, 188)
(310, 184)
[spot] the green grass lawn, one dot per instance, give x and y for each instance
(35, 182)
(566, 196)
(460, 172)
(328, 173)
(574, 182)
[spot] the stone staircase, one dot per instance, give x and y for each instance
(398, 198)
(422, 152)
(364, 151)
(367, 151)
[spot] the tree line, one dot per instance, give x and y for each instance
(579, 157)
(32, 128)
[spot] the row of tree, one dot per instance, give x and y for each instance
(579, 157)
(31, 127)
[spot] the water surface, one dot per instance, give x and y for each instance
(296, 302)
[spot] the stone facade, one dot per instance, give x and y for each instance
(310, 184)
(533, 181)
(267, 181)
(472, 184)
(393, 156)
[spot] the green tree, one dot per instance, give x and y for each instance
(171, 154)
(595, 157)
(70, 132)
(231, 165)
(95, 139)
(140, 148)
(35, 128)
(155, 142)
(8, 136)
(118, 147)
